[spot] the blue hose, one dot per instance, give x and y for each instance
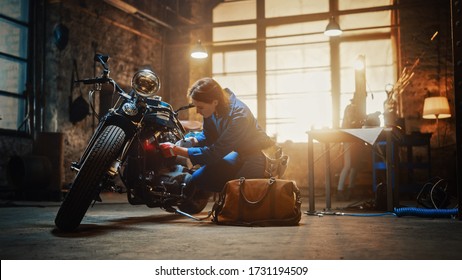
(424, 212)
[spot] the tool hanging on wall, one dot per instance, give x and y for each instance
(60, 32)
(79, 108)
(60, 36)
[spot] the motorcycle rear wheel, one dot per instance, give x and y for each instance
(84, 189)
(196, 203)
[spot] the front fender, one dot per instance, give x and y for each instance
(123, 122)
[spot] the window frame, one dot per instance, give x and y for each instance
(22, 114)
(261, 48)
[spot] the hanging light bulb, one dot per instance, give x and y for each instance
(198, 51)
(332, 28)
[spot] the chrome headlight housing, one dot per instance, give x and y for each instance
(146, 83)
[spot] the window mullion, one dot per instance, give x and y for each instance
(261, 65)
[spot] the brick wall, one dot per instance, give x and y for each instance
(433, 75)
(95, 27)
(419, 20)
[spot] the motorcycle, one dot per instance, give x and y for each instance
(125, 145)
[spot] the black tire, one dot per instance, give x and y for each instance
(84, 189)
(196, 203)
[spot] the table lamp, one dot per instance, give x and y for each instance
(436, 107)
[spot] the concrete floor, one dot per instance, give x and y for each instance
(115, 230)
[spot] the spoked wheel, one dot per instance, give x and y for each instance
(85, 187)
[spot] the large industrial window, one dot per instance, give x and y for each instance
(297, 67)
(13, 62)
(297, 80)
(239, 77)
(236, 68)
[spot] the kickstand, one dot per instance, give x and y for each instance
(187, 215)
(191, 216)
(171, 209)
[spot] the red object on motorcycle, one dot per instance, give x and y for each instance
(167, 149)
(149, 146)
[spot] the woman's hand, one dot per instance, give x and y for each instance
(167, 149)
(170, 150)
(187, 142)
(193, 141)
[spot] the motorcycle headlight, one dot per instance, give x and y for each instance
(146, 83)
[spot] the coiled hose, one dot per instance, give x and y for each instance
(424, 212)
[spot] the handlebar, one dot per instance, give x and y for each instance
(101, 80)
(104, 80)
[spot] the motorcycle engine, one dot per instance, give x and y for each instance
(175, 180)
(155, 189)
(150, 178)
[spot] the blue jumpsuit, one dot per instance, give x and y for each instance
(229, 147)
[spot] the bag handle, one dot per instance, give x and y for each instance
(241, 189)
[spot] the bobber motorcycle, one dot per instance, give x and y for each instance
(125, 144)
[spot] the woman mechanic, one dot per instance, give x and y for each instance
(231, 142)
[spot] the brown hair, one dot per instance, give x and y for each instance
(206, 90)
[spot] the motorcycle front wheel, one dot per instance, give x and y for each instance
(85, 188)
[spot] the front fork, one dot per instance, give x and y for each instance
(115, 166)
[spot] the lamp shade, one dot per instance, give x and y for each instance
(436, 108)
(198, 51)
(332, 28)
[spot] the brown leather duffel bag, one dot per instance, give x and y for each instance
(258, 202)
